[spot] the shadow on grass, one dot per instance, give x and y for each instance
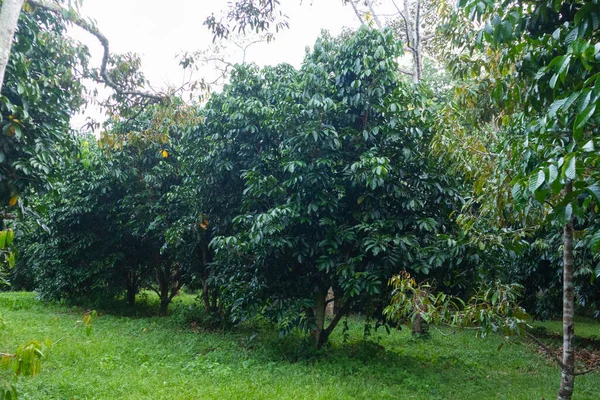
(555, 339)
(362, 359)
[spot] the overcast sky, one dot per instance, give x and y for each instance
(159, 30)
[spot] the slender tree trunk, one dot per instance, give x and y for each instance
(418, 54)
(163, 292)
(320, 300)
(206, 296)
(329, 301)
(9, 16)
(319, 318)
(419, 326)
(205, 276)
(568, 368)
(338, 316)
(131, 292)
(163, 280)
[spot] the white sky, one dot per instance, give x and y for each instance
(159, 30)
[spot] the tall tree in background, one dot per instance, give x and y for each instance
(413, 21)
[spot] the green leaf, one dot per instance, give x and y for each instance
(589, 146)
(516, 191)
(536, 180)
(553, 81)
(540, 195)
(595, 190)
(581, 120)
(568, 212)
(555, 106)
(552, 173)
(571, 36)
(570, 168)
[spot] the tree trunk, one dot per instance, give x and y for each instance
(9, 17)
(205, 276)
(319, 319)
(131, 285)
(568, 362)
(418, 53)
(419, 326)
(163, 280)
(164, 304)
(330, 303)
(206, 296)
(131, 292)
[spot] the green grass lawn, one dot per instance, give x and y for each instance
(161, 358)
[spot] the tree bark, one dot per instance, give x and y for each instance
(417, 54)
(338, 316)
(419, 326)
(205, 277)
(131, 292)
(568, 361)
(9, 17)
(329, 303)
(319, 318)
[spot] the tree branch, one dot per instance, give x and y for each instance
(375, 17)
(343, 311)
(404, 71)
(360, 18)
(90, 28)
(546, 349)
(587, 371)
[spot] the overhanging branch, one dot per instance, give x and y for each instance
(90, 28)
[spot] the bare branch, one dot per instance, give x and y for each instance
(360, 18)
(405, 72)
(89, 27)
(587, 371)
(546, 349)
(374, 15)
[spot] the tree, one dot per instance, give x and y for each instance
(541, 69)
(112, 215)
(336, 188)
(9, 15)
(243, 15)
(413, 21)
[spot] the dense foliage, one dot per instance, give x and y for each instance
(293, 189)
(110, 214)
(40, 93)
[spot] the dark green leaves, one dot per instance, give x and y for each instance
(536, 180)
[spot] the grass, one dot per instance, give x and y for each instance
(161, 358)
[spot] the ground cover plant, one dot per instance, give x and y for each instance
(165, 357)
